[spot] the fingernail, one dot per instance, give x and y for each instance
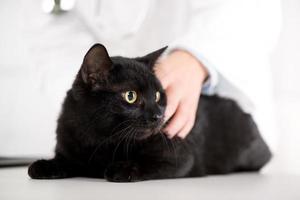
(170, 136)
(181, 136)
(167, 134)
(166, 118)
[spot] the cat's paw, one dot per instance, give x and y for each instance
(46, 169)
(122, 172)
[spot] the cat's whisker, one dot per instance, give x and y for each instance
(94, 119)
(114, 129)
(120, 141)
(128, 140)
(109, 138)
(133, 137)
(125, 139)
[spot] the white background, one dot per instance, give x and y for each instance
(40, 55)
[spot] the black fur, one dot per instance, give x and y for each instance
(101, 135)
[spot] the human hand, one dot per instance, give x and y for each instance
(182, 76)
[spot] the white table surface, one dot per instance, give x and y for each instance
(15, 184)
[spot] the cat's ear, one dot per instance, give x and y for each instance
(151, 58)
(96, 65)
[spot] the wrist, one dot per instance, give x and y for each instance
(192, 62)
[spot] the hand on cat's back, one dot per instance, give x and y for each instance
(182, 76)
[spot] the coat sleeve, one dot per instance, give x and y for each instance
(232, 39)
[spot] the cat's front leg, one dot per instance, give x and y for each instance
(129, 171)
(123, 171)
(49, 169)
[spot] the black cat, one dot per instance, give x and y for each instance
(110, 127)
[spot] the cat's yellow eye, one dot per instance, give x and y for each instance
(157, 96)
(130, 96)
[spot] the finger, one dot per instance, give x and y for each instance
(187, 128)
(191, 105)
(172, 103)
(177, 122)
(192, 117)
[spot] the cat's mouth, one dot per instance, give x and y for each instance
(146, 132)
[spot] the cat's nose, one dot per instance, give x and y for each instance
(156, 117)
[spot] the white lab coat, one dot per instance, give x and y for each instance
(232, 38)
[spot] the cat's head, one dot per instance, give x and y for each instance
(125, 90)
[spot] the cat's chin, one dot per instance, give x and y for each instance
(146, 133)
(143, 136)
